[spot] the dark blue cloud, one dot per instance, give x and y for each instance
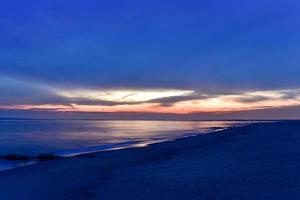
(253, 99)
(14, 92)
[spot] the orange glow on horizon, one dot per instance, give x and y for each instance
(213, 104)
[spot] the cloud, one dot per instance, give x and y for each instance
(291, 94)
(15, 92)
(169, 101)
(252, 99)
(39, 97)
(267, 96)
(292, 112)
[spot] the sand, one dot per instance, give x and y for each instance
(261, 161)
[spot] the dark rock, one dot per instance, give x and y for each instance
(17, 157)
(46, 157)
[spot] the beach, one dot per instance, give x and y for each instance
(259, 161)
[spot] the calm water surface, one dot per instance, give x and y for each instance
(32, 137)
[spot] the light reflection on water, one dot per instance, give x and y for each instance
(33, 137)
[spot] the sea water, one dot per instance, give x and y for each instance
(73, 137)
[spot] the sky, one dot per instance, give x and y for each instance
(207, 59)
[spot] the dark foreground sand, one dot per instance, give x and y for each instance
(261, 161)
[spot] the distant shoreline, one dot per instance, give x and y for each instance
(112, 119)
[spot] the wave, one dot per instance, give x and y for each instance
(11, 161)
(94, 149)
(7, 164)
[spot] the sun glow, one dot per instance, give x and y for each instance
(123, 95)
(151, 101)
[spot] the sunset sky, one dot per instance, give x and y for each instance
(207, 59)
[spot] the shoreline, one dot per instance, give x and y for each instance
(253, 162)
(8, 164)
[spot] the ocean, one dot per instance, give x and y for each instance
(72, 137)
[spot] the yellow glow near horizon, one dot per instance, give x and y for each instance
(216, 103)
(123, 95)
